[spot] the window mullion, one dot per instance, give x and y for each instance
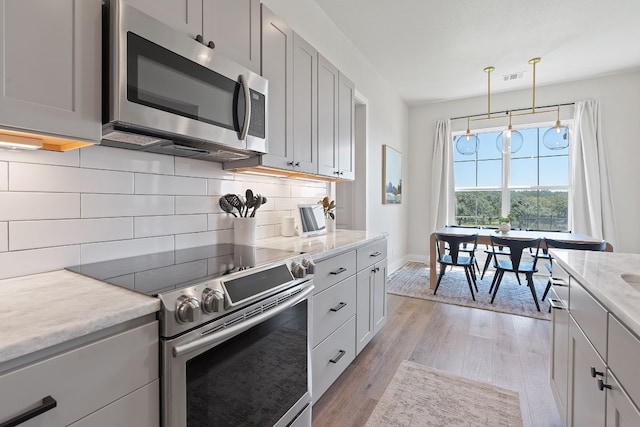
(506, 173)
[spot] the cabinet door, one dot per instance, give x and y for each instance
(50, 57)
(365, 285)
(586, 402)
(277, 67)
(559, 353)
(305, 87)
(621, 412)
(346, 135)
(327, 118)
(234, 27)
(380, 296)
(183, 15)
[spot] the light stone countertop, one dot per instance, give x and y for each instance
(600, 273)
(323, 245)
(42, 310)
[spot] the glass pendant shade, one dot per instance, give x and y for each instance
(467, 144)
(516, 141)
(556, 138)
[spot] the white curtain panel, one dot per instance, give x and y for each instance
(442, 196)
(592, 207)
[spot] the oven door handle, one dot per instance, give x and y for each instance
(226, 333)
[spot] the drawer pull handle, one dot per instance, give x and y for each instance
(556, 304)
(339, 306)
(557, 281)
(338, 271)
(338, 356)
(594, 372)
(602, 385)
(47, 404)
(375, 254)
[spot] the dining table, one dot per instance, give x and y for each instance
(484, 237)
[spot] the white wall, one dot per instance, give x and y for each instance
(388, 114)
(619, 97)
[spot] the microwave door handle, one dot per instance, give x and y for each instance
(247, 107)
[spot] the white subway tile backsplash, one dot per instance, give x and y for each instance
(218, 187)
(60, 158)
(309, 191)
(166, 184)
(20, 263)
(17, 206)
(4, 236)
(201, 169)
(98, 157)
(95, 252)
(220, 221)
(31, 177)
(111, 205)
(198, 239)
(4, 176)
(147, 226)
(38, 234)
(197, 204)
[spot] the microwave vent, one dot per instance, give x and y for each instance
(130, 138)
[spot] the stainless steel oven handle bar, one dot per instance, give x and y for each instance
(218, 337)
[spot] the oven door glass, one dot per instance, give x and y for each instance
(255, 377)
(162, 79)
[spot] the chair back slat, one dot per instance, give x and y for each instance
(579, 246)
(516, 247)
(453, 242)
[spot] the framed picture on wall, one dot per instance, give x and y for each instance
(391, 176)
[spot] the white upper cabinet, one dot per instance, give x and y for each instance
(232, 25)
(50, 57)
(336, 109)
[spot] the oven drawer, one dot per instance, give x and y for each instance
(332, 356)
(332, 307)
(330, 271)
(371, 253)
(82, 380)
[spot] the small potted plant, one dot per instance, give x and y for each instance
(330, 217)
(504, 223)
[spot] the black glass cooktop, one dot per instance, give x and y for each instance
(165, 271)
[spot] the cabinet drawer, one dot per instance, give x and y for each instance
(371, 253)
(560, 280)
(622, 358)
(332, 307)
(83, 380)
(330, 271)
(590, 316)
(332, 356)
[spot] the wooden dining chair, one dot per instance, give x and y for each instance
(578, 246)
(451, 255)
(514, 263)
(491, 253)
(466, 247)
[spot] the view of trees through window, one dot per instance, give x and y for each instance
(530, 185)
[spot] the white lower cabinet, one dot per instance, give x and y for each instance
(594, 375)
(332, 356)
(112, 381)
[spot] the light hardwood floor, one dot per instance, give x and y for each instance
(502, 349)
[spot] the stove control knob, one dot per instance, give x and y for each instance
(212, 300)
(309, 265)
(187, 309)
(298, 270)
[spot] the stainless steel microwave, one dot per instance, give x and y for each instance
(165, 92)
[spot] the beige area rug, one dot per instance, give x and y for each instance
(420, 396)
(412, 280)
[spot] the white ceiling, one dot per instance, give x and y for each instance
(431, 50)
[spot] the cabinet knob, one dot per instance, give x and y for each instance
(290, 163)
(341, 172)
(602, 385)
(211, 44)
(336, 172)
(594, 372)
(199, 39)
(297, 164)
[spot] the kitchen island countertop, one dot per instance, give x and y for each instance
(601, 274)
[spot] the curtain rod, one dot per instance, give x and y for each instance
(515, 109)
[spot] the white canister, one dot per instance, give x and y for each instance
(244, 231)
(288, 227)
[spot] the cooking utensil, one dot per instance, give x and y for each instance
(226, 206)
(235, 201)
(250, 201)
(257, 204)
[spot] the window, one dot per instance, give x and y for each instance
(531, 184)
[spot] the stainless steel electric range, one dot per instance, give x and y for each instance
(234, 332)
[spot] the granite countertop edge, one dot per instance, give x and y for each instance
(600, 274)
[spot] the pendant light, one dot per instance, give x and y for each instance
(515, 138)
(557, 137)
(467, 144)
